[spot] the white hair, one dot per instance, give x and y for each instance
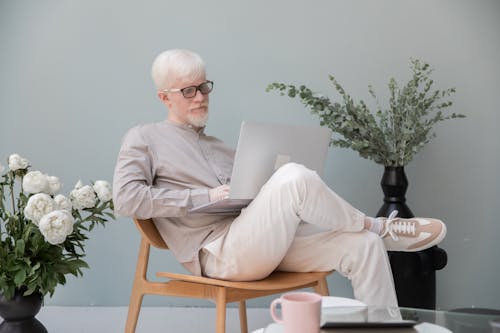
(173, 64)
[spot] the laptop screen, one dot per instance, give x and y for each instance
(264, 147)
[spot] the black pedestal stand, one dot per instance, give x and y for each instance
(414, 272)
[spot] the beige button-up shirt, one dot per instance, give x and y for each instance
(162, 170)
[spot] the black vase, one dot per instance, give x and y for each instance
(414, 272)
(19, 313)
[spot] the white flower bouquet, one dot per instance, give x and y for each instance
(42, 232)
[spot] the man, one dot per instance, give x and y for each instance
(295, 223)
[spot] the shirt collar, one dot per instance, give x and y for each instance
(190, 128)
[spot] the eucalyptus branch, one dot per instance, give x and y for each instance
(390, 136)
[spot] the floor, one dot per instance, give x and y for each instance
(151, 320)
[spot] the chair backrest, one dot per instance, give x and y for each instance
(150, 232)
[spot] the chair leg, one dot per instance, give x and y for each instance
(138, 286)
(220, 305)
(322, 287)
(243, 317)
(133, 311)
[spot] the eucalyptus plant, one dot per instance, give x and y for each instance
(389, 136)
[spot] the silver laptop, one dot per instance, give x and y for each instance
(263, 148)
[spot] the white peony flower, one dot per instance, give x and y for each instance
(38, 205)
(53, 185)
(16, 162)
(83, 197)
(35, 182)
(103, 190)
(63, 203)
(56, 226)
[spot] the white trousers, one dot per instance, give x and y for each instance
(296, 223)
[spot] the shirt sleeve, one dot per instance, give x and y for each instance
(133, 192)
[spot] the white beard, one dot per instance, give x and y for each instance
(198, 121)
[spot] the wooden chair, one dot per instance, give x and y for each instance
(220, 291)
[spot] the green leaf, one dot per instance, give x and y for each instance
(35, 268)
(20, 245)
(20, 277)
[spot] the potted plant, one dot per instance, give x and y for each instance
(389, 136)
(42, 237)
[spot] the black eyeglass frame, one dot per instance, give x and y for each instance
(207, 83)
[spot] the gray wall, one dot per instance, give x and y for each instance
(74, 76)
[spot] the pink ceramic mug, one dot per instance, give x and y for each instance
(300, 312)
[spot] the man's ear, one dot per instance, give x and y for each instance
(163, 97)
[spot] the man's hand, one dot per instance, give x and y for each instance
(218, 193)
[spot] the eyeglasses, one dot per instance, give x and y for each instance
(189, 92)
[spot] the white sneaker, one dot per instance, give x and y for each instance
(411, 235)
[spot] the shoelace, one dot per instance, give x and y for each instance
(400, 227)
